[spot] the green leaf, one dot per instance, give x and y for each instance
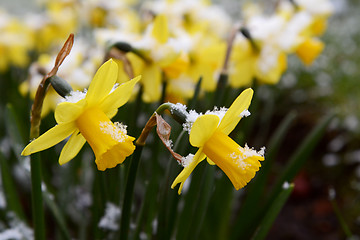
(36, 197)
(129, 192)
(249, 209)
(11, 195)
(220, 90)
(59, 218)
(13, 131)
(192, 102)
(273, 212)
(299, 158)
(203, 202)
(190, 199)
(339, 216)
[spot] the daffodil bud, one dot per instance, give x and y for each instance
(246, 33)
(178, 111)
(248, 36)
(294, 3)
(126, 47)
(61, 86)
(123, 46)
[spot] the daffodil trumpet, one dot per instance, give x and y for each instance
(209, 132)
(85, 116)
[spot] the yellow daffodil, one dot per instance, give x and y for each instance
(206, 61)
(86, 117)
(309, 50)
(157, 56)
(210, 134)
(242, 67)
(15, 43)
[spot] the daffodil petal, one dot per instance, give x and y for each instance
(233, 114)
(202, 129)
(151, 80)
(110, 114)
(102, 82)
(160, 29)
(72, 147)
(211, 162)
(67, 112)
(309, 50)
(185, 173)
(119, 96)
(50, 138)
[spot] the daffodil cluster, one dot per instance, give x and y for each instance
(181, 41)
(174, 43)
(260, 50)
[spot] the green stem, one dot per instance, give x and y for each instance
(340, 218)
(272, 212)
(36, 197)
(129, 191)
(220, 90)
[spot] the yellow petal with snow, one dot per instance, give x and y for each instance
(234, 113)
(67, 112)
(119, 96)
(102, 82)
(273, 75)
(72, 147)
(309, 50)
(151, 80)
(110, 143)
(160, 29)
(239, 164)
(50, 138)
(185, 173)
(202, 129)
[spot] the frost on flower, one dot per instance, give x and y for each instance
(111, 217)
(185, 161)
(245, 113)
(220, 112)
(75, 96)
(117, 131)
(245, 153)
(169, 143)
(193, 115)
(180, 108)
(190, 119)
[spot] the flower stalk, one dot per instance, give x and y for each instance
(35, 164)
